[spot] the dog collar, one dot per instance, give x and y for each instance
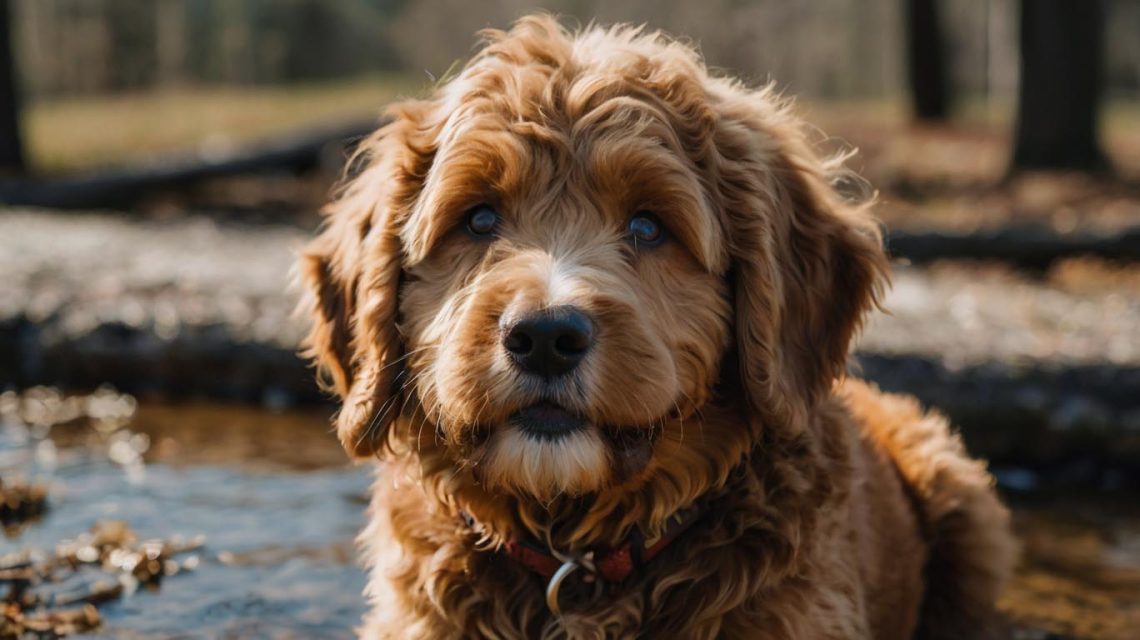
(612, 565)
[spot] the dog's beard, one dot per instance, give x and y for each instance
(576, 463)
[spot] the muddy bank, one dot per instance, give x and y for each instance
(183, 307)
(193, 307)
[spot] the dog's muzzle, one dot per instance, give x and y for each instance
(546, 421)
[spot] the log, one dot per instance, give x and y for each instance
(123, 188)
(1030, 247)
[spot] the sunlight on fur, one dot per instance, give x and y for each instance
(574, 465)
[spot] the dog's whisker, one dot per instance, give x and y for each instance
(370, 430)
(410, 383)
(409, 354)
(652, 420)
(698, 411)
(382, 413)
(680, 420)
(425, 419)
(479, 413)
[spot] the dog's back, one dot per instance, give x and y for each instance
(969, 547)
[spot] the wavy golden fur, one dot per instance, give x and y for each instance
(717, 372)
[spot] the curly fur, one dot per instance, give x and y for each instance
(833, 511)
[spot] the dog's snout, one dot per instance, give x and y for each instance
(551, 342)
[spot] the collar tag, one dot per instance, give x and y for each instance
(555, 584)
(569, 566)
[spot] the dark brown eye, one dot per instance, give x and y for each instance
(644, 229)
(482, 220)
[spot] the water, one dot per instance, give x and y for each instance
(279, 507)
(270, 492)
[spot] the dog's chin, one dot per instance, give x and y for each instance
(543, 452)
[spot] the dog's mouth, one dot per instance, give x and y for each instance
(547, 421)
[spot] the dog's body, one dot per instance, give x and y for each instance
(588, 288)
(910, 528)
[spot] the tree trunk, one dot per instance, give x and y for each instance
(1062, 59)
(11, 150)
(170, 42)
(926, 60)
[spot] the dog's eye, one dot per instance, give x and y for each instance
(644, 229)
(482, 220)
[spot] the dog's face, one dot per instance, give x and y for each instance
(542, 269)
(568, 298)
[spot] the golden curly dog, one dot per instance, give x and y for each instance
(590, 305)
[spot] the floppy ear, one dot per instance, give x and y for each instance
(807, 265)
(351, 274)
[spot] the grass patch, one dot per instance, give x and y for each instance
(83, 133)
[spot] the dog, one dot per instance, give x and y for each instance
(590, 306)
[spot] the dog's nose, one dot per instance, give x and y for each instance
(551, 342)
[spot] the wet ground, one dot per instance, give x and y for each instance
(1080, 572)
(208, 283)
(276, 509)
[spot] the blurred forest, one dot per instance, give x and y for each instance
(995, 87)
(824, 49)
(111, 82)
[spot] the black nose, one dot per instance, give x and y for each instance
(551, 342)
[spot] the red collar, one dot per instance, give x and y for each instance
(612, 564)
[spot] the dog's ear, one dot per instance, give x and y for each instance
(351, 274)
(807, 265)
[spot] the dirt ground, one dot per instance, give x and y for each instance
(77, 271)
(954, 176)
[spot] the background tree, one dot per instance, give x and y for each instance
(1062, 60)
(11, 149)
(926, 60)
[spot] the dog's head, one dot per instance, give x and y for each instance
(576, 246)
